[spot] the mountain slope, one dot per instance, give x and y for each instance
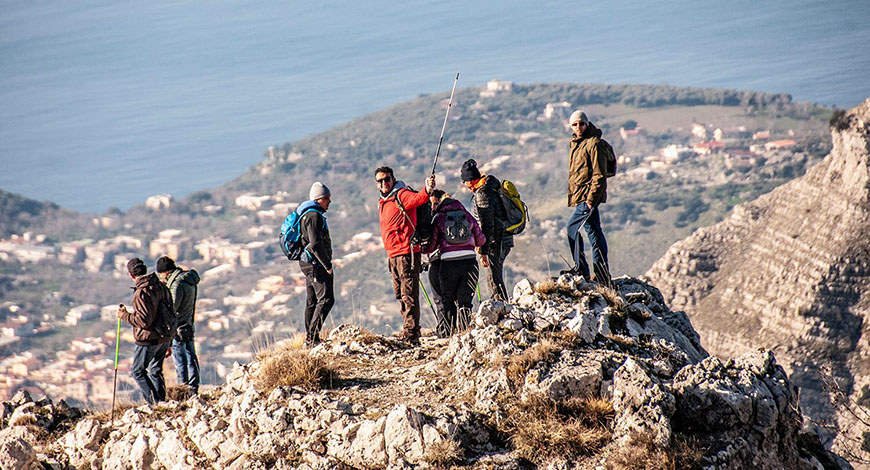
(791, 271)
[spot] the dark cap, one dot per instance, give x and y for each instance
(165, 264)
(136, 267)
(469, 171)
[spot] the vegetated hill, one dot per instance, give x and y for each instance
(19, 214)
(791, 271)
(509, 133)
(570, 376)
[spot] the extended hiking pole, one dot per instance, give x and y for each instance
(115, 379)
(427, 298)
(444, 126)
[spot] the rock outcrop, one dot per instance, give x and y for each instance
(791, 271)
(568, 376)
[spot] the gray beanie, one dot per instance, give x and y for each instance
(578, 116)
(318, 190)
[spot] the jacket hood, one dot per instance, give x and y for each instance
(449, 204)
(396, 187)
(591, 131)
(308, 205)
(146, 280)
(190, 277)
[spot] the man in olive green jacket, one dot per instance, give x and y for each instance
(587, 188)
(183, 288)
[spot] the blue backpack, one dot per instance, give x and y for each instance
(290, 237)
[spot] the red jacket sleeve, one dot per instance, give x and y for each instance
(412, 200)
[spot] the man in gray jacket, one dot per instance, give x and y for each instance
(183, 287)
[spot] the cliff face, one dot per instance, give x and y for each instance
(789, 271)
(569, 376)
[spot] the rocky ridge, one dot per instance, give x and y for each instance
(613, 379)
(791, 271)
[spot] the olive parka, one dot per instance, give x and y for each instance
(586, 180)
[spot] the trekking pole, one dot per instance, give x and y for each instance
(444, 126)
(477, 286)
(427, 298)
(115, 379)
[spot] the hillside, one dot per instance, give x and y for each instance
(688, 158)
(569, 376)
(791, 271)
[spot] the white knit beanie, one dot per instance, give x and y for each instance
(318, 190)
(578, 116)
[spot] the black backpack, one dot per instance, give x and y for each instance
(165, 323)
(457, 230)
(423, 229)
(609, 158)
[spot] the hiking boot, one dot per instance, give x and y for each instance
(408, 336)
(573, 271)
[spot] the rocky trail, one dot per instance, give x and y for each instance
(569, 375)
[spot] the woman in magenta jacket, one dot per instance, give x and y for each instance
(456, 235)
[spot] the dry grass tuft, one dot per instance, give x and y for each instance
(517, 366)
(545, 350)
(613, 298)
(550, 286)
(285, 366)
(540, 429)
(104, 415)
(443, 454)
(179, 392)
(624, 342)
(641, 453)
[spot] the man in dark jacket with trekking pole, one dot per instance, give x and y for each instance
(151, 348)
(398, 220)
(183, 288)
(316, 261)
(587, 189)
(490, 212)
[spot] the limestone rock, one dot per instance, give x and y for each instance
(642, 405)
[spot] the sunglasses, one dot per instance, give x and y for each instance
(382, 180)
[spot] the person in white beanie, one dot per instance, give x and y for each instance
(587, 188)
(316, 260)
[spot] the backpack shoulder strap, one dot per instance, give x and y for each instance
(402, 207)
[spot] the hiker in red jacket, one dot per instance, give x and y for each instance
(398, 219)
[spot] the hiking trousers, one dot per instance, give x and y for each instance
(405, 270)
(589, 220)
(495, 271)
(442, 324)
(458, 280)
(186, 363)
(147, 371)
(320, 300)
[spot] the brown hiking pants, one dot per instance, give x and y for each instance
(405, 270)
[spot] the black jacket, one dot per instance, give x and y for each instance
(315, 238)
(489, 212)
